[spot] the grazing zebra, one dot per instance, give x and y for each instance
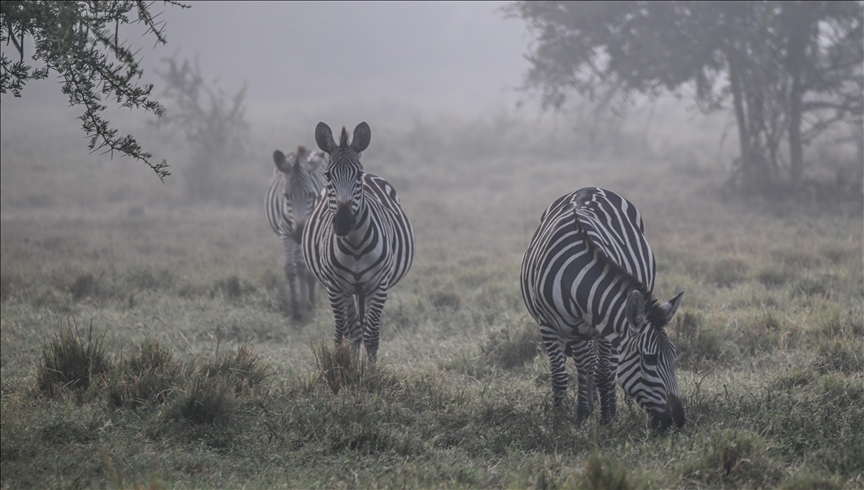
(297, 180)
(358, 242)
(588, 280)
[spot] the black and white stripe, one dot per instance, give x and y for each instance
(296, 183)
(358, 242)
(588, 280)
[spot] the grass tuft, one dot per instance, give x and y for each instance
(731, 457)
(149, 376)
(243, 369)
(605, 473)
(339, 365)
(68, 362)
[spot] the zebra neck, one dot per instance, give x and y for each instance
(360, 233)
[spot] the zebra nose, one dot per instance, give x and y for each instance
(673, 413)
(343, 220)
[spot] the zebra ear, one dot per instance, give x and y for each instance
(670, 307)
(281, 161)
(634, 311)
(324, 138)
(362, 136)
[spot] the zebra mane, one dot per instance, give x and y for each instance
(343, 139)
(653, 311)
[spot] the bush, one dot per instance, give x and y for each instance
(68, 363)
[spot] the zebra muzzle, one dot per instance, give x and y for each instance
(297, 234)
(673, 414)
(343, 221)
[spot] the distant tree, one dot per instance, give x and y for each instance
(212, 123)
(791, 69)
(76, 41)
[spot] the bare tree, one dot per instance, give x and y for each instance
(212, 123)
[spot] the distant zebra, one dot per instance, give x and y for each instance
(358, 242)
(588, 279)
(297, 180)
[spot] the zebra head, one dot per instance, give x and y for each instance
(301, 185)
(647, 367)
(344, 175)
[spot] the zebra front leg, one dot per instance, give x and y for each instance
(347, 323)
(586, 361)
(373, 305)
(555, 349)
(289, 248)
(607, 366)
(306, 279)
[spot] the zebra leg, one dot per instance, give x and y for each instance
(606, 369)
(347, 323)
(373, 305)
(306, 279)
(289, 248)
(555, 349)
(586, 360)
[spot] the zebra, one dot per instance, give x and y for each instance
(358, 241)
(297, 180)
(587, 278)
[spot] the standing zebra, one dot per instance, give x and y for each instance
(297, 180)
(588, 280)
(358, 242)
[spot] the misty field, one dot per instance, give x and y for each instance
(198, 376)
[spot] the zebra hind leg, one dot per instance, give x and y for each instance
(606, 368)
(586, 361)
(555, 349)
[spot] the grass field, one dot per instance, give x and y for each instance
(201, 378)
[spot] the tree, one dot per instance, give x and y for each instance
(212, 123)
(791, 69)
(75, 41)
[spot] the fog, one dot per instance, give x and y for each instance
(436, 81)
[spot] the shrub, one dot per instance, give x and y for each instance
(67, 362)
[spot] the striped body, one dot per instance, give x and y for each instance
(358, 241)
(588, 278)
(296, 182)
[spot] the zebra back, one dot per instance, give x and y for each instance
(613, 226)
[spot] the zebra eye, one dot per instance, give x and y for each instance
(650, 359)
(327, 174)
